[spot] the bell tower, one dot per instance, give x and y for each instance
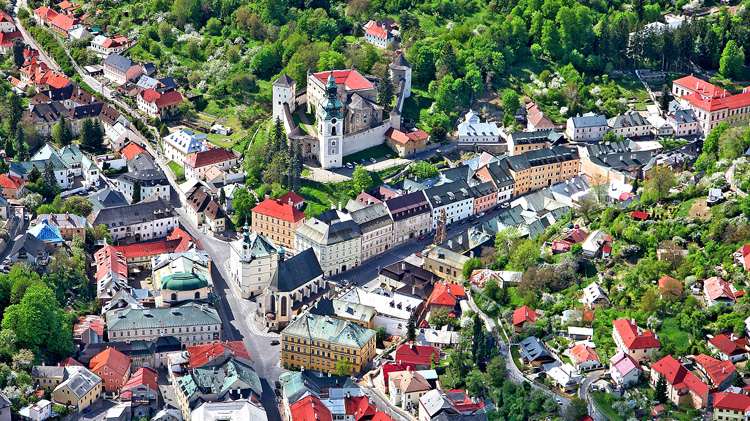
(331, 127)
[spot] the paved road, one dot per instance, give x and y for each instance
(31, 41)
(583, 393)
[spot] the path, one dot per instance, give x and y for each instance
(30, 40)
(729, 175)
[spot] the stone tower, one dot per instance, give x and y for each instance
(284, 89)
(331, 127)
(401, 70)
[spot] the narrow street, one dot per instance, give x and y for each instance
(31, 41)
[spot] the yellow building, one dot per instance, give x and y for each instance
(70, 385)
(407, 144)
(541, 168)
(731, 407)
(360, 314)
(317, 342)
(277, 220)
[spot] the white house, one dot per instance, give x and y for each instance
(718, 292)
(471, 130)
(382, 33)
(198, 165)
(684, 123)
(39, 411)
(596, 242)
(406, 387)
(634, 341)
(564, 377)
(584, 357)
(392, 309)
(594, 296)
(624, 370)
(181, 145)
(588, 127)
(630, 125)
(660, 126)
(454, 198)
(149, 219)
(334, 237)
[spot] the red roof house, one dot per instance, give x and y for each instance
(718, 292)
(293, 199)
(420, 356)
(132, 149)
(445, 296)
(523, 315)
(310, 409)
(730, 404)
(6, 40)
(202, 354)
(388, 368)
(584, 357)
(351, 79)
(633, 341)
(729, 347)
(719, 372)
(742, 256)
(212, 156)
(681, 384)
(639, 215)
(12, 186)
(89, 329)
(668, 286)
(113, 367)
(143, 385)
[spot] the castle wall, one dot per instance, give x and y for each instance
(358, 141)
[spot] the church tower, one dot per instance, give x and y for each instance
(331, 127)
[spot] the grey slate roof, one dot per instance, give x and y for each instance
(400, 62)
(107, 198)
(624, 160)
(464, 172)
(143, 168)
(541, 136)
(408, 205)
(446, 194)
(483, 189)
(297, 385)
(372, 217)
(627, 120)
(119, 62)
(500, 173)
(682, 117)
(532, 349)
(327, 229)
(25, 167)
(48, 371)
(589, 120)
(343, 309)
(80, 381)
(151, 209)
(284, 81)
(297, 271)
(29, 244)
(541, 157)
(260, 245)
(188, 314)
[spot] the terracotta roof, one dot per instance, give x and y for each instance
(8, 181)
(95, 323)
(294, 197)
(522, 315)
(63, 22)
(149, 95)
(418, 135)
(132, 149)
(634, 339)
(745, 251)
(187, 239)
(678, 376)
(6, 38)
(45, 13)
(57, 81)
(700, 86)
(310, 409)
(143, 377)
(446, 294)
(202, 354)
(416, 354)
(71, 362)
(388, 368)
(153, 248)
(5, 17)
(732, 401)
(639, 215)
(729, 345)
(582, 352)
(210, 157)
(377, 31)
(716, 288)
(108, 260)
(279, 210)
(714, 104)
(169, 98)
(717, 370)
(669, 284)
(397, 135)
(409, 381)
(349, 78)
(110, 360)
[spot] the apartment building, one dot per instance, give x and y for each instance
(191, 323)
(277, 220)
(455, 199)
(542, 168)
(334, 237)
(376, 226)
(711, 105)
(587, 127)
(630, 125)
(411, 214)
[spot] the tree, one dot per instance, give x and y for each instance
(242, 203)
(587, 206)
(385, 90)
(61, 132)
(331, 60)
(470, 266)
(136, 191)
(18, 47)
(381, 334)
(213, 26)
(23, 359)
(344, 367)
(77, 205)
(478, 341)
(732, 60)
(650, 301)
(738, 381)
(9, 149)
(15, 111)
(510, 103)
(163, 130)
(411, 329)
(660, 393)
(39, 322)
(362, 179)
(660, 180)
(92, 137)
(276, 168)
(423, 170)
(575, 410)
(19, 144)
(50, 180)
(664, 99)
(525, 255)
(222, 196)
(576, 249)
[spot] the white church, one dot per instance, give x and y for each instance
(344, 103)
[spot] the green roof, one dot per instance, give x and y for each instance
(328, 329)
(189, 314)
(184, 282)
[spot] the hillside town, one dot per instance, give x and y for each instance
(364, 226)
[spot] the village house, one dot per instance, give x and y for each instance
(360, 314)
(541, 168)
(392, 309)
(521, 316)
(254, 260)
(455, 199)
(711, 105)
(68, 224)
(584, 357)
(485, 197)
(120, 69)
(625, 371)
(445, 296)
(631, 125)
(594, 296)
(682, 385)
(633, 341)
(406, 387)
(471, 130)
(197, 165)
(13, 187)
(145, 173)
(407, 144)
(536, 120)
(717, 373)
(142, 390)
(669, 287)
(498, 173)
(534, 353)
(113, 367)
(204, 211)
(159, 105)
(684, 123)
(421, 357)
(179, 146)
(407, 278)
(146, 220)
(729, 347)
(108, 45)
(588, 127)
(334, 237)
(72, 385)
(717, 291)
(382, 33)
(731, 407)
(597, 242)
(521, 142)
(564, 377)
(277, 220)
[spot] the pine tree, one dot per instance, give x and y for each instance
(18, 47)
(92, 137)
(664, 99)
(61, 132)
(411, 329)
(477, 340)
(385, 90)
(222, 196)
(9, 150)
(15, 111)
(660, 393)
(50, 180)
(20, 144)
(136, 192)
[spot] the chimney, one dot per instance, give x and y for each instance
(291, 203)
(339, 205)
(268, 196)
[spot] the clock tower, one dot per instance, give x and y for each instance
(331, 127)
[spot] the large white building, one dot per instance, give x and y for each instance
(253, 262)
(454, 198)
(143, 171)
(392, 309)
(149, 219)
(630, 125)
(711, 104)
(588, 127)
(181, 145)
(471, 130)
(334, 237)
(376, 226)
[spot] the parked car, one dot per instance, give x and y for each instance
(277, 384)
(373, 160)
(349, 165)
(420, 238)
(274, 342)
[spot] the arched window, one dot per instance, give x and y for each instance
(333, 130)
(283, 306)
(197, 295)
(173, 297)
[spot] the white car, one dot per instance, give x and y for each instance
(349, 165)
(373, 160)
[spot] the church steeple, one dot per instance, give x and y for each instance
(332, 105)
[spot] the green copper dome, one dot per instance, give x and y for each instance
(184, 282)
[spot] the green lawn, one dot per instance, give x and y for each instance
(376, 152)
(671, 332)
(177, 170)
(685, 206)
(516, 357)
(603, 401)
(417, 106)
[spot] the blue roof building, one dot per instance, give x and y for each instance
(46, 232)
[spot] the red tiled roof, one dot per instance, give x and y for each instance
(606, 248)
(169, 98)
(294, 197)
(576, 236)
(670, 284)
(700, 86)
(63, 22)
(714, 104)
(582, 353)
(5, 17)
(393, 367)
(279, 210)
(522, 315)
(729, 345)
(745, 251)
(71, 362)
(633, 340)
(310, 409)
(110, 360)
(732, 401)
(153, 248)
(639, 215)
(6, 38)
(717, 370)
(45, 13)
(8, 181)
(678, 376)
(397, 135)
(108, 260)
(716, 288)
(446, 294)
(377, 31)
(149, 95)
(416, 354)
(57, 81)
(202, 354)
(95, 323)
(143, 377)
(418, 135)
(132, 149)
(65, 4)
(210, 157)
(585, 418)
(187, 239)
(360, 407)
(349, 78)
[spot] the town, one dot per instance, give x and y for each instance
(373, 211)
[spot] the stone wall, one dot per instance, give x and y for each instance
(365, 139)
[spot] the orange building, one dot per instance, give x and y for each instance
(277, 220)
(113, 367)
(407, 144)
